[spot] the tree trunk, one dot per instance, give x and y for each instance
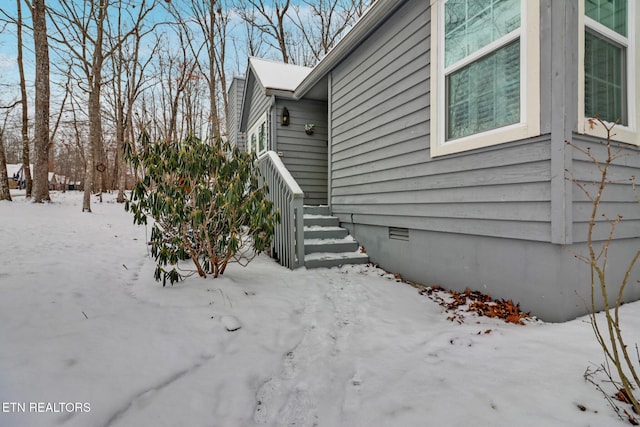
(95, 130)
(41, 134)
(120, 164)
(213, 98)
(5, 194)
(95, 119)
(24, 101)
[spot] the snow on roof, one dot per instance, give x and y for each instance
(278, 75)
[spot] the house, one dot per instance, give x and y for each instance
(12, 174)
(447, 125)
(290, 136)
(268, 91)
(15, 173)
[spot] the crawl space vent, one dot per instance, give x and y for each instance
(397, 233)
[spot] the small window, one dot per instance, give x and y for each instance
(262, 137)
(258, 136)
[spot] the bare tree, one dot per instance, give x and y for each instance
(5, 194)
(250, 42)
(24, 102)
(321, 23)
(81, 29)
(94, 76)
(42, 87)
(621, 361)
(270, 20)
(126, 86)
(211, 18)
(175, 72)
(79, 133)
(301, 32)
(221, 24)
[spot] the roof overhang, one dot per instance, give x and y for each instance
(269, 75)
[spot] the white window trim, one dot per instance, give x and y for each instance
(629, 133)
(255, 130)
(529, 125)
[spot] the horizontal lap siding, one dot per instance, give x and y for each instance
(382, 172)
(618, 197)
(259, 103)
(305, 156)
(235, 106)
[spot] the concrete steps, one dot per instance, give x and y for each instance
(326, 244)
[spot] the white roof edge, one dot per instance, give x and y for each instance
(378, 10)
(278, 75)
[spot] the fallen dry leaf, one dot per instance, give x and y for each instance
(474, 301)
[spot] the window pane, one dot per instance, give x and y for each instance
(610, 13)
(605, 80)
(471, 24)
(263, 137)
(485, 94)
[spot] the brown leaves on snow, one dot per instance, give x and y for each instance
(458, 303)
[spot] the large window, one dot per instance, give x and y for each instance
(605, 65)
(608, 72)
(481, 91)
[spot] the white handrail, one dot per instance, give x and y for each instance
(284, 172)
(288, 198)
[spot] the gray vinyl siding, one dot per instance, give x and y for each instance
(305, 156)
(618, 197)
(259, 102)
(235, 108)
(382, 171)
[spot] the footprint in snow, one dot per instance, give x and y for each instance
(299, 409)
(351, 403)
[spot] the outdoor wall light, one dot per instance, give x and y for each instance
(285, 117)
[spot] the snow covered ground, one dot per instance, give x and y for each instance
(88, 338)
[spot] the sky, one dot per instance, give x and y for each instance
(8, 50)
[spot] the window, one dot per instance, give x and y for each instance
(481, 92)
(604, 79)
(262, 137)
(258, 136)
(608, 68)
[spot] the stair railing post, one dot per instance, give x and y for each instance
(288, 197)
(299, 232)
